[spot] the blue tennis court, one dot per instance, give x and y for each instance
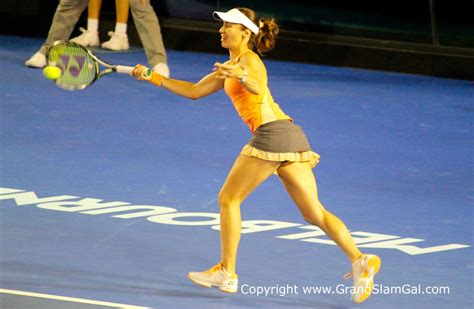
(110, 194)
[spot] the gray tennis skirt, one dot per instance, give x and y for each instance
(280, 136)
(280, 141)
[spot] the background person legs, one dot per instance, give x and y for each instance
(65, 18)
(148, 29)
(119, 38)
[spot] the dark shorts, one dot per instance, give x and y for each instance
(280, 136)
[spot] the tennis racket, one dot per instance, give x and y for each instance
(79, 66)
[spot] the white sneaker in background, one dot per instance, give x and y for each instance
(163, 69)
(118, 41)
(38, 60)
(87, 38)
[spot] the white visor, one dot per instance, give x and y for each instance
(235, 16)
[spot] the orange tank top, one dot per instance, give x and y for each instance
(254, 109)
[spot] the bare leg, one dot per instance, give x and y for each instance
(246, 175)
(93, 11)
(121, 8)
(300, 183)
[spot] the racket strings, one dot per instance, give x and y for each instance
(78, 68)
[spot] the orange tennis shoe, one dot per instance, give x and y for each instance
(363, 273)
(216, 276)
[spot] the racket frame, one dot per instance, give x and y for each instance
(110, 68)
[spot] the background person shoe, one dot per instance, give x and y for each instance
(38, 60)
(118, 41)
(163, 69)
(87, 38)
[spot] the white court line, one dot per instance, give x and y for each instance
(70, 299)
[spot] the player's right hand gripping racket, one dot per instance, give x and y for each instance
(79, 66)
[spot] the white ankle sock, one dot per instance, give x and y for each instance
(121, 28)
(92, 24)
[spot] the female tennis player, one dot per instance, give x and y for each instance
(277, 146)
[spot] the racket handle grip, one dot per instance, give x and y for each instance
(124, 69)
(146, 75)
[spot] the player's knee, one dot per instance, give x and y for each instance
(313, 219)
(226, 199)
(315, 215)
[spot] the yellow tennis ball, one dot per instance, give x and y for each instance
(52, 72)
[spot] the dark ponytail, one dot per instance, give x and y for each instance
(264, 41)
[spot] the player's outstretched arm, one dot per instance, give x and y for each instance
(206, 86)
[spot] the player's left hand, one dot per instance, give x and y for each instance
(224, 71)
